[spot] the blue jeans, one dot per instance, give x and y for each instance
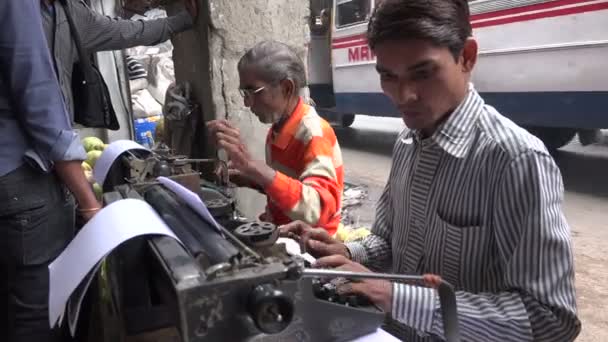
(36, 224)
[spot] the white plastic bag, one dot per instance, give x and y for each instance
(161, 76)
(144, 105)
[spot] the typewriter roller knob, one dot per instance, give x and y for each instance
(216, 203)
(218, 206)
(270, 309)
(257, 234)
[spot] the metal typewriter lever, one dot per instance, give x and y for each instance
(447, 296)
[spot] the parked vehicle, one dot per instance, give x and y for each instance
(542, 63)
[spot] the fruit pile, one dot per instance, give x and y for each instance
(94, 147)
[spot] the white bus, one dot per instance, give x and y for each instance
(542, 63)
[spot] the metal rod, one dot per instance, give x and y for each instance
(315, 272)
(189, 160)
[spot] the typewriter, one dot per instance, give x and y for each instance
(231, 282)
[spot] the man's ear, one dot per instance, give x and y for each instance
(288, 87)
(469, 55)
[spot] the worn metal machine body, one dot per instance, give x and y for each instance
(226, 283)
(226, 280)
(222, 283)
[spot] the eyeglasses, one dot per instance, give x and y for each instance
(249, 92)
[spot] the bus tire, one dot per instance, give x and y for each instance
(346, 120)
(553, 137)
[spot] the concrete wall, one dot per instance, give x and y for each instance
(208, 57)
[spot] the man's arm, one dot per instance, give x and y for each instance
(31, 82)
(533, 241)
(102, 33)
(70, 173)
(26, 68)
(375, 250)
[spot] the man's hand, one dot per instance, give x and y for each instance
(71, 174)
(192, 7)
(228, 138)
(380, 292)
(315, 241)
(87, 215)
(237, 178)
(228, 175)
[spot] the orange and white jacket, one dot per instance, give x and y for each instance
(309, 177)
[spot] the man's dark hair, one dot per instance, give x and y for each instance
(445, 23)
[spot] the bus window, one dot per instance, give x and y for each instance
(352, 12)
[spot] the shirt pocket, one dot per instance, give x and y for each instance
(459, 253)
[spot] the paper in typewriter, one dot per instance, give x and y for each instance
(109, 156)
(115, 224)
(378, 336)
(191, 199)
(75, 302)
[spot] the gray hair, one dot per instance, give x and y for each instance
(273, 62)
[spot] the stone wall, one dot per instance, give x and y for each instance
(208, 57)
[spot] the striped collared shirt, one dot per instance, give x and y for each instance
(310, 177)
(478, 203)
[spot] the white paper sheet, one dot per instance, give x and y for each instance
(378, 336)
(293, 248)
(75, 301)
(109, 155)
(115, 224)
(193, 200)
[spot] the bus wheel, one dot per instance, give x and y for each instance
(347, 120)
(553, 137)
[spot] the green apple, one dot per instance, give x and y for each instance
(92, 157)
(92, 143)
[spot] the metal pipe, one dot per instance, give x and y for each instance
(316, 272)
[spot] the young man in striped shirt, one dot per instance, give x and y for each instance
(303, 176)
(471, 196)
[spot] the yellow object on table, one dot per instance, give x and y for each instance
(348, 234)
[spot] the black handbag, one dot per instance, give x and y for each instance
(92, 102)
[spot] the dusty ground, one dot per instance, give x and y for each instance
(367, 147)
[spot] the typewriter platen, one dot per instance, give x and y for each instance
(231, 284)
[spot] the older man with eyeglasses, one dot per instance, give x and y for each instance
(302, 176)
